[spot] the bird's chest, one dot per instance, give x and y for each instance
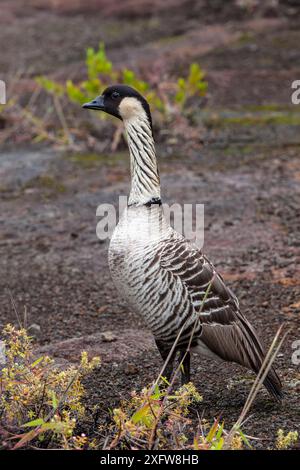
(136, 267)
(133, 248)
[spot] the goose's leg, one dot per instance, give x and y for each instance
(164, 354)
(185, 357)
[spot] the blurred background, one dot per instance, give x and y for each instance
(203, 64)
(218, 77)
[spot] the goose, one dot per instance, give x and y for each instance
(163, 276)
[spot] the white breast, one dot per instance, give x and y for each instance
(133, 250)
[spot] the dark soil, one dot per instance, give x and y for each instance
(246, 174)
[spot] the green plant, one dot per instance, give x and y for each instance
(193, 85)
(159, 419)
(41, 405)
(57, 92)
(100, 72)
(154, 416)
(165, 99)
(285, 441)
(38, 396)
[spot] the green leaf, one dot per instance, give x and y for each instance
(157, 394)
(218, 445)
(165, 380)
(220, 431)
(74, 93)
(141, 414)
(50, 86)
(54, 400)
(34, 423)
(97, 62)
(35, 363)
(212, 432)
(244, 438)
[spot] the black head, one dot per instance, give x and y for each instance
(113, 101)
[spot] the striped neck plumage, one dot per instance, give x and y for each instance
(145, 183)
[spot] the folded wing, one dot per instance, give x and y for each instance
(225, 330)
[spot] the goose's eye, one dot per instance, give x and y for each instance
(115, 95)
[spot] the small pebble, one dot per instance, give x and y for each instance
(130, 369)
(108, 337)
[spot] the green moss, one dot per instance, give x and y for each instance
(170, 39)
(279, 119)
(273, 107)
(254, 119)
(228, 157)
(92, 160)
(288, 41)
(233, 150)
(245, 38)
(46, 182)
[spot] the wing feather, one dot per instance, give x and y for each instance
(225, 330)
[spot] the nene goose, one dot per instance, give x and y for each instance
(163, 276)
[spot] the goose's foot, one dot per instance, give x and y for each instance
(184, 360)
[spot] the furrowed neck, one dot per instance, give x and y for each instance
(145, 182)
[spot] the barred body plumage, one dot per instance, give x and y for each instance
(164, 277)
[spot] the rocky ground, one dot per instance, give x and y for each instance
(247, 174)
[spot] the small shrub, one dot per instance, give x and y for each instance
(154, 417)
(157, 419)
(101, 72)
(166, 99)
(51, 118)
(38, 396)
(41, 405)
(285, 441)
(193, 85)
